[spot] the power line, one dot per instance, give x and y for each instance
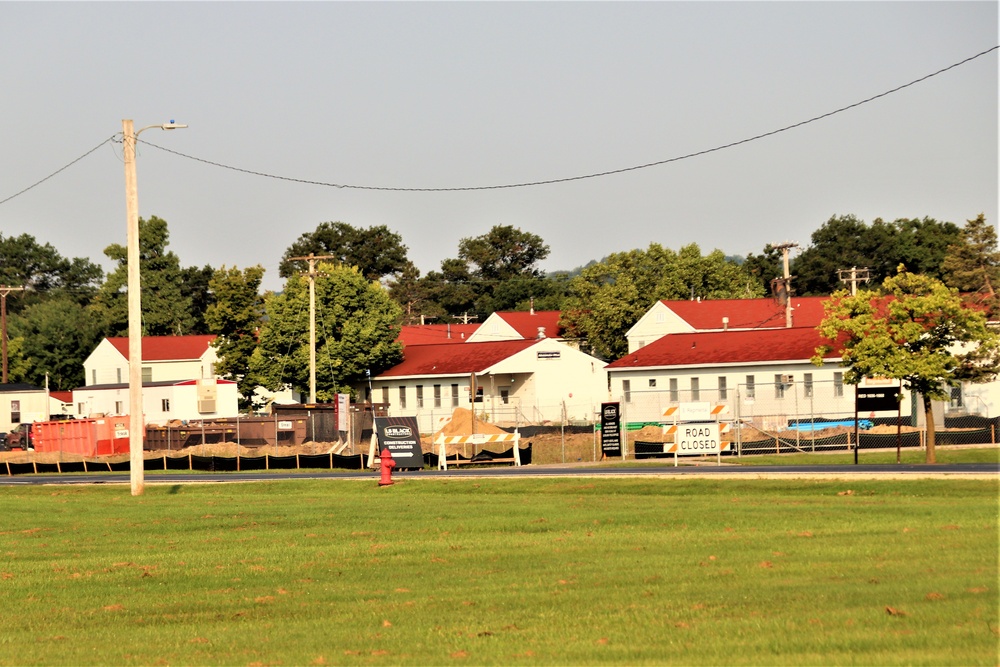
(585, 176)
(61, 169)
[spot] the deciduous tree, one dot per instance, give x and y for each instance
(235, 316)
(916, 330)
(357, 324)
(376, 251)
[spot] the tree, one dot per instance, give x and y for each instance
(973, 263)
(765, 267)
(846, 241)
(376, 251)
(609, 297)
(357, 324)
(56, 337)
(42, 271)
(916, 330)
(166, 310)
(196, 288)
(235, 315)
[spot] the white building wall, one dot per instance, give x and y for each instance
(181, 402)
(494, 328)
(655, 324)
(106, 365)
(33, 407)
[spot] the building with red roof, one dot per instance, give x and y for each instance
(506, 381)
(686, 316)
(751, 371)
(518, 325)
(435, 334)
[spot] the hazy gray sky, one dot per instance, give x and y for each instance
(439, 95)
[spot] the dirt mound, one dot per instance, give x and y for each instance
(461, 423)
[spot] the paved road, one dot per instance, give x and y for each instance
(908, 471)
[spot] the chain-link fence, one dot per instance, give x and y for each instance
(805, 416)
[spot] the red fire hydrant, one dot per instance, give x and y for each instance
(387, 463)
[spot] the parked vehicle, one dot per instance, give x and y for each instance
(18, 438)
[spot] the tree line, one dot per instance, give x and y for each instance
(369, 288)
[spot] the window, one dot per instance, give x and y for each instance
(93, 376)
(722, 389)
(479, 395)
(838, 384)
(673, 389)
(119, 375)
(420, 395)
(956, 397)
(807, 384)
(437, 396)
(454, 395)
(505, 395)
(695, 389)
(15, 412)
(147, 374)
(118, 407)
(385, 395)
(652, 382)
(165, 405)
(779, 386)
(79, 408)
(627, 390)
(751, 387)
(402, 397)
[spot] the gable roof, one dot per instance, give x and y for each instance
(718, 348)
(455, 358)
(707, 314)
(18, 387)
(527, 322)
(430, 334)
(167, 348)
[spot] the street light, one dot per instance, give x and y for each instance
(136, 427)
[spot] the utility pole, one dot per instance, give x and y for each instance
(853, 276)
(787, 279)
(4, 291)
(466, 317)
(312, 317)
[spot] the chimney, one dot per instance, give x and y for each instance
(725, 323)
(532, 300)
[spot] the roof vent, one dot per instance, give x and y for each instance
(725, 324)
(541, 332)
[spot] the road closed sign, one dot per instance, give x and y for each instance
(692, 439)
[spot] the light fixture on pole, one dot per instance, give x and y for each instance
(136, 426)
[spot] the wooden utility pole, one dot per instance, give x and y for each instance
(787, 279)
(4, 291)
(312, 317)
(854, 275)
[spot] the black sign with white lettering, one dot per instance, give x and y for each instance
(401, 437)
(876, 399)
(611, 436)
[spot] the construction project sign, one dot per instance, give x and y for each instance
(611, 429)
(401, 436)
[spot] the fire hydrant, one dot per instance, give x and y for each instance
(387, 463)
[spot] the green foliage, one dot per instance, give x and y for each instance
(973, 263)
(376, 251)
(166, 311)
(56, 337)
(43, 272)
(846, 241)
(916, 330)
(356, 328)
(608, 298)
(235, 315)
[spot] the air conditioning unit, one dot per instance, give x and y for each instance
(206, 406)
(787, 379)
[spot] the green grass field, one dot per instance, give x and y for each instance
(509, 572)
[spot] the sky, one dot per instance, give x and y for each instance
(419, 95)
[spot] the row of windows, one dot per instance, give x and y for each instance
(781, 383)
(438, 396)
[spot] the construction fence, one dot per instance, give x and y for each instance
(806, 417)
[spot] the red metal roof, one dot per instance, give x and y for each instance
(526, 323)
(167, 348)
(807, 311)
(726, 347)
(62, 396)
(431, 334)
(455, 358)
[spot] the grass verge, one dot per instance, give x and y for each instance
(502, 572)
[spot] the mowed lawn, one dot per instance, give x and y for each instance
(509, 572)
